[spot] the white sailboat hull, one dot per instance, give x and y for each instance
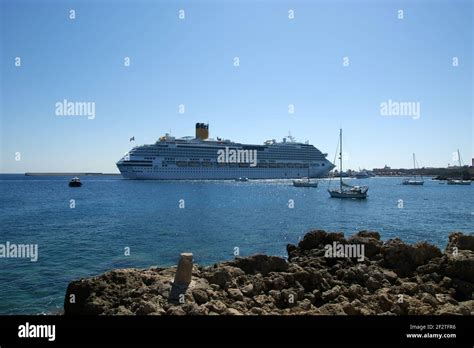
(459, 182)
(347, 194)
(304, 184)
(413, 182)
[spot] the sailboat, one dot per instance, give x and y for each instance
(459, 181)
(346, 190)
(414, 181)
(305, 182)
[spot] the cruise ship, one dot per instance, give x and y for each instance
(201, 158)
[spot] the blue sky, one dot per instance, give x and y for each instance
(190, 62)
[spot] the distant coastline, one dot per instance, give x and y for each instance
(437, 173)
(467, 173)
(68, 174)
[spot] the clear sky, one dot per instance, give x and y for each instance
(282, 61)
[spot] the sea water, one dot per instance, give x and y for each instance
(111, 222)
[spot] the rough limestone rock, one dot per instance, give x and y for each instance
(260, 264)
(461, 266)
(393, 279)
(370, 240)
(461, 241)
(319, 238)
(223, 275)
(404, 258)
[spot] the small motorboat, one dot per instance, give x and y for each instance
(242, 179)
(75, 182)
(305, 183)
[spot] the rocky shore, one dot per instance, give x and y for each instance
(393, 278)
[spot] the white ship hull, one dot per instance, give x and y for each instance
(219, 173)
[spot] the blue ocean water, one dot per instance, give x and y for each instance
(112, 214)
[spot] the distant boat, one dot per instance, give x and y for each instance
(334, 175)
(345, 190)
(305, 182)
(362, 174)
(242, 179)
(459, 181)
(414, 181)
(75, 182)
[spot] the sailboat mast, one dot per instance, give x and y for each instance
(414, 166)
(340, 158)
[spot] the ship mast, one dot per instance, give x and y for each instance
(340, 159)
(414, 166)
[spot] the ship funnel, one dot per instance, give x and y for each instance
(202, 131)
